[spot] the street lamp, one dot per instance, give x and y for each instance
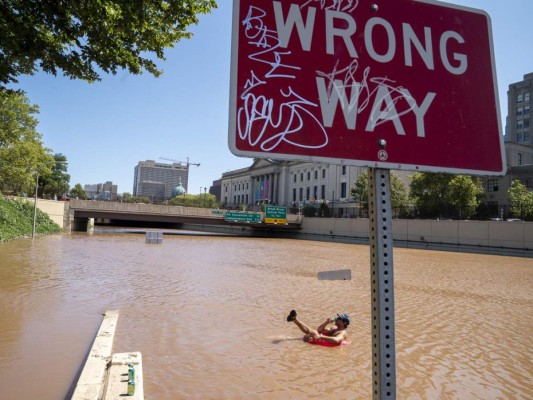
(35, 204)
(205, 195)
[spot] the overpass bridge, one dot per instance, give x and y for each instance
(84, 213)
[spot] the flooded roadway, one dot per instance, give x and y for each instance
(208, 315)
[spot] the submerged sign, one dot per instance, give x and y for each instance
(275, 215)
(236, 216)
(408, 84)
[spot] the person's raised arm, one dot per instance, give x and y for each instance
(322, 328)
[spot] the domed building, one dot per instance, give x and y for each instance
(178, 190)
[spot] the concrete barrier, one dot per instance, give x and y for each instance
(502, 237)
(56, 210)
(91, 382)
(105, 375)
(117, 382)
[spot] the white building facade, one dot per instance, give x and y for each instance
(518, 148)
(286, 183)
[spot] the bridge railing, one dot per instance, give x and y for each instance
(157, 209)
(140, 208)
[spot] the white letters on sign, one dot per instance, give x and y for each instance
(285, 26)
(338, 90)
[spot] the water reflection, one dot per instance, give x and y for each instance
(208, 314)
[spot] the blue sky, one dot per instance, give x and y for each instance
(107, 127)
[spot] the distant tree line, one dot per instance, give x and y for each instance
(440, 195)
(431, 195)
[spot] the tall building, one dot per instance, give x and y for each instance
(518, 147)
(157, 180)
(101, 191)
(519, 131)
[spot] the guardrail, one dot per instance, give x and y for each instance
(160, 209)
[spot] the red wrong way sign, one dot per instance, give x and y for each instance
(404, 84)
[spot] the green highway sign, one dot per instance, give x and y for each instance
(275, 215)
(237, 216)
(217, 212)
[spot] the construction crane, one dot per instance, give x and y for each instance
(187, 164)
(181, 162)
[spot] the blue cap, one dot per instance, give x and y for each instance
(344, 318)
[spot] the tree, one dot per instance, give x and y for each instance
(210, 201)
(521, 200)
(360, 189)
(82, 38)
(432, 193)
(57, 184)
(399, 197)
(128, 198)
(464, 193)
(125, 197)
(22, 154)
(309, 210)
(323, 210)
(429, 192)
(78, 192)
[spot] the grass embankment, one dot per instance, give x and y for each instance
(16, 220)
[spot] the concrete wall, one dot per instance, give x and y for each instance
(54, 209)
(496, 234)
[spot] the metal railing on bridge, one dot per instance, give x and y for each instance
(141, 208)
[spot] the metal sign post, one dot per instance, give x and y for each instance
(382, 285)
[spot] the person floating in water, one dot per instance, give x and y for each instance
(323, 333)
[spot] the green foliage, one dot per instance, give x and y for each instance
(294, 209)
(22, 153)
(128, 198)
(464, 193)
(78, 192)
(16, 220)
(360, 189)
(323, 210)
(206, 200)
(136, 199)
(309, 211)
(433, 192)
(521, 201)
(82, 38)
(399, 197)
(124, 197)
(429, 192)
(58, 183)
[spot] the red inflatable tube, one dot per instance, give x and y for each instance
(322, 342)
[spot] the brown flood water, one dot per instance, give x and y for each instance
(208, 315)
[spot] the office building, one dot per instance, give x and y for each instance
(518, 147)
(157, 180)
(101, 191)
